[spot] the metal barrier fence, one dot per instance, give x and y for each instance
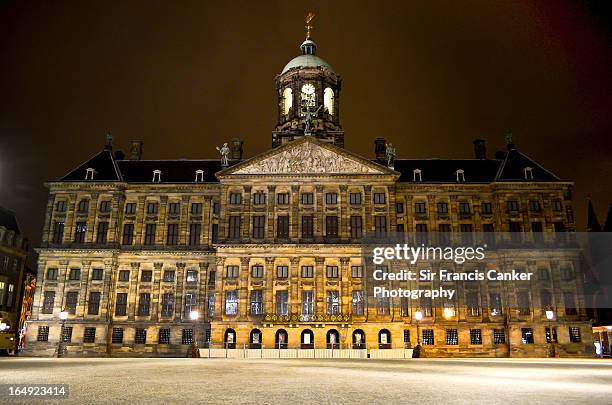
(246, 352)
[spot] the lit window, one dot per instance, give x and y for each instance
(475, 336)
(287, 100)
(527, 336)
(574, 334)
(328, 101)
(452, 337)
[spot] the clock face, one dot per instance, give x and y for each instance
(308, 88)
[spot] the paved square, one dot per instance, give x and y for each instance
(431, 381)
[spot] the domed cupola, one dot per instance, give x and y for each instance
(308, 97)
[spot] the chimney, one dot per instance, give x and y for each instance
(380, 151)
(136, 150)
(236, 149)
(480, 149)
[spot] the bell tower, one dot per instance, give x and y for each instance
(308, 92)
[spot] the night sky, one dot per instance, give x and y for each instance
(185, 76)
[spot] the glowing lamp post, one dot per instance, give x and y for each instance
(550, 315)
(194, 315)
(418, 315)
(62, 316)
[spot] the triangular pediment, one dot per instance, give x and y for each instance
(307, 156)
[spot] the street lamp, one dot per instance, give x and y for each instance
(418, 315)
(62, 316)
(194, 315)
(550, 314)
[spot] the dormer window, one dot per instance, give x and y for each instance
(89, 174)
(460, 176)
(156, 176)
(417, 175)
(199, 176)
(528, 173)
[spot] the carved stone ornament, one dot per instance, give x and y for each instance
(306, 158)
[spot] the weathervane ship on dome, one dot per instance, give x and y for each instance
(309, 18)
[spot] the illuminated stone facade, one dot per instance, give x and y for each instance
(268, 249)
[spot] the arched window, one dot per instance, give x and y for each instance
(230, 338)
(359, 341)
(384, 339)
(280, 342)
(328, 100)
(333, 339)
(287, 100)
(307, 339)
(255, 339)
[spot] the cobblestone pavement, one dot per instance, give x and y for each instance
(431, 381)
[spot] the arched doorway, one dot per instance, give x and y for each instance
(255, 339)
(280, 342)
(307, 339)
(384, 339)
(333, 339)
(230, 338)
(359, 340)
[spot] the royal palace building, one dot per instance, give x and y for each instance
(269, 249)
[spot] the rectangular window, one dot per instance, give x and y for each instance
(382, 305)
(74, 275)
(475, 336)
(121, 304)
(196, 208)
(282, 198)
(499, 336)
(192, 276)
(332, 271)
(557, 205)
(545, 299)
(187, 336)
(141, 336)
(128, 234)
(105, 206)
(191, 303)
(259, 225)
(442, 208)
(67, 335)
(567, 274)
(93, 306)
(527, 336)
(486, 208)
(282, 271)
(257, 271)
(51, 274)
(195, 230)
(406, 337)
(534, 205)
(164, 336)
(356, 227)
(43, 334)
(420, 208)
(426, 305)
(421, 234)
(282, 226)
(130, 208)
(282, 303)
(97, 274)
(307, 198)
(356, 271)
(257, 302)
(231, 302)
(146, 276)
(174, 208)
(574, 334)
(144, 304)
(536, 228)
(60, 206)
(444, 231)
(331, 226)
(380, 225)
(473, 307)
(216, 208)
(543, 274)
(405, 306)
(333, 302)
(513, 206)
(464, 208)
(117, 336)
(124, 275)
(232, 271)
(81, 230)
(495, 304)
(428, 337)
(152, 208)
(307, 271)
(358, 303)
(399, 208)
(169, 276)
(58, 232)
(307, 227)
(523, 303)
(235, 198)
(83, 206)
(308, 303)
(48, 302)
(173, 234)
(331, 198)
(570, 303)
(355, 198)
(150, 234)
(380, 198)
(234, 227)
(452, 337)
(167, 304)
